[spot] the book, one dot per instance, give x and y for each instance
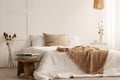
(27, 57)
(27, 54)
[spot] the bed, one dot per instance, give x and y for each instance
(58, 65)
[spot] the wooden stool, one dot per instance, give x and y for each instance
(26, 66)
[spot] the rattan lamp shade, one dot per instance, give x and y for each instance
(98, 4)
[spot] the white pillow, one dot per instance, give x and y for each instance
(37, 40)
(74, 40)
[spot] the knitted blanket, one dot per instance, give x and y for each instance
(90, 60)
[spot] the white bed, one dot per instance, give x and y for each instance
(56, 64)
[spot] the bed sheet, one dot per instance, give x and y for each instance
(54, 64)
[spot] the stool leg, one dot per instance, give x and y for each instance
(28, 69)
(20, 68)
(31, 69)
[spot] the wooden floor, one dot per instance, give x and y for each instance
(11, 74)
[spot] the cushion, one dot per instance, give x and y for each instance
(55, 39)
(37, 40)
(74, 40)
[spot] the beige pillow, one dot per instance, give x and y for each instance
(55, 39)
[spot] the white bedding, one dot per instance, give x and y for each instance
(58, 65)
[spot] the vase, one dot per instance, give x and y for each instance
(10, 57)
(100, 38)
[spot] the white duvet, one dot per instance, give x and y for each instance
(56, 64)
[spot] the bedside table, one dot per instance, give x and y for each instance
(26, 66)
(101, 45)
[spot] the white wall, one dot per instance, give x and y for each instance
(63, 16)
(117, 24)
(25, 17)
(12, 20)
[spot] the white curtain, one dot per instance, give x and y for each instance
(110, 22)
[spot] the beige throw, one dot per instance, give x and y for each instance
(90, 60)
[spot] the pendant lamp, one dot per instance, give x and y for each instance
(98, 4)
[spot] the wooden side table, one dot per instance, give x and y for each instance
(26, 66)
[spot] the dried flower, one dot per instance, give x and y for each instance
(14, 36)
(100, 28)
(100, 31)
(8, 37)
